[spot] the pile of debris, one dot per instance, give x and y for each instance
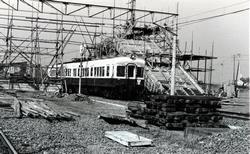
(33, 107)
(38, 108)
(178, 112)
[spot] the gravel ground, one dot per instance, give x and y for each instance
(86, 134)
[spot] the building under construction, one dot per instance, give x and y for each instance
(27, 51)
(38, 38)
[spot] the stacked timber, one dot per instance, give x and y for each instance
(178, 112)
(38, 108)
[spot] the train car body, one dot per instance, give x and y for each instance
(118, 77)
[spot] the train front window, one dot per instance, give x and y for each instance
(139, 72)
(131, 71)
(120, 71)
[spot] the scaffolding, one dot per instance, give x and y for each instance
(42, 32)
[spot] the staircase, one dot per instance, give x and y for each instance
(157, 81)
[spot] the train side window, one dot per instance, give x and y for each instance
(66, 72)
(131, 71)
(78, 72)
(107, 71)
(91, 71)
(87, 72)
(74, 72)
(98, 71)
(120, 71)
(82, 72)
(94, 71)
(139, 72)
(102, 72)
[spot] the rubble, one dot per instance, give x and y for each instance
(38, 108)
(86, 133)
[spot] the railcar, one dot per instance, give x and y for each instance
(118, 77)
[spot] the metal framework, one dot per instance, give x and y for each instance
(42, 32)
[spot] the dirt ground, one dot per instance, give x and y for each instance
(86, 133)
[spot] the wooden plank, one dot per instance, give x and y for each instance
(236, 113)
(236, 117)
(113, 118)
(203, 131)
(128, 139)
(234, 127)
(107, 103)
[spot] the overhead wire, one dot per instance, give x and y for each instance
(185, 23)
(213, 10)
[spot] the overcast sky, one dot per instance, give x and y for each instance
(230, 33)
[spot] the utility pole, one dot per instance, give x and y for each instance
(114, 21)
(172, 86)
(233, 69)
(236, 78)
(82, 49)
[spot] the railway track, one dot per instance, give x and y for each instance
(5, 145)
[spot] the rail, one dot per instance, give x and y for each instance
(5, 145)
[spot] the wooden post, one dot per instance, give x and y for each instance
(205, 72)
(211, 69)
(198, 66)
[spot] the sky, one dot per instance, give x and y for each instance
(230, 33)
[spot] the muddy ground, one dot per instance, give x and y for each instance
(86, 133)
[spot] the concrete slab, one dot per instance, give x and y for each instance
(128, 139)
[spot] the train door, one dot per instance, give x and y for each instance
(130, 80)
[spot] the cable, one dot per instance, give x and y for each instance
(228, 6)
(211, 17)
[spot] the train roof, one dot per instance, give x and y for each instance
(110, 61)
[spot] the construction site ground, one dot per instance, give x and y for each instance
(86, 133)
